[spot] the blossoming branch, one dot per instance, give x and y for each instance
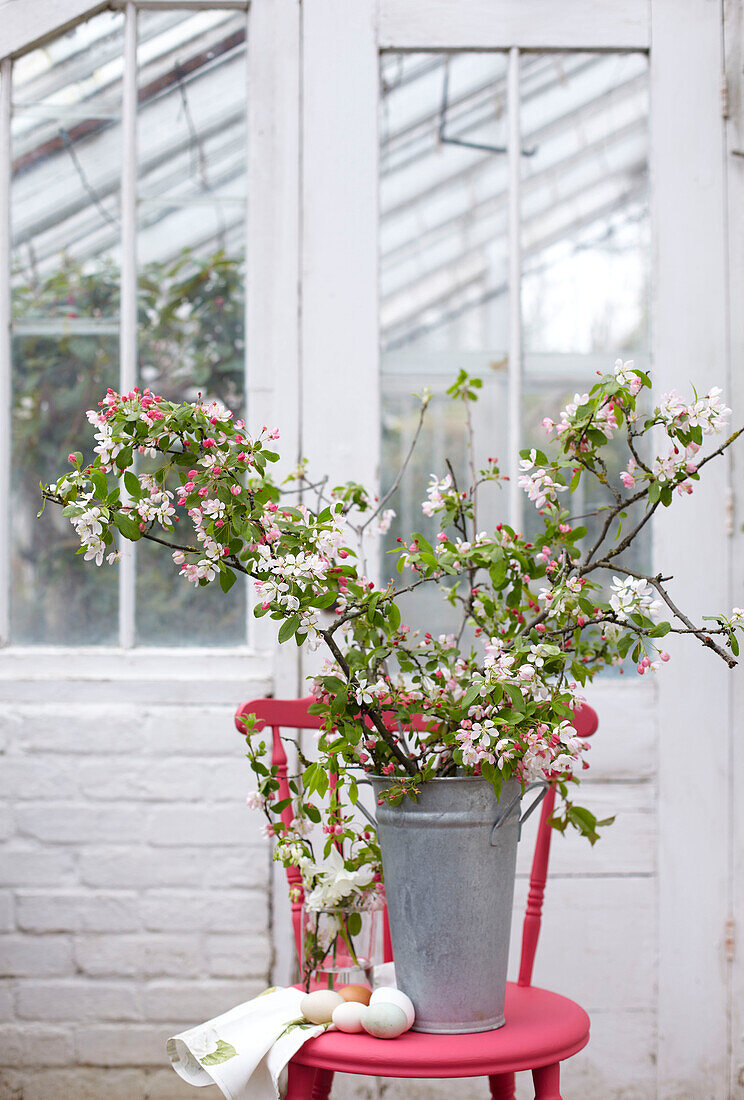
(538, 618)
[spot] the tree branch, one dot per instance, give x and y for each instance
(371, 712)
(403, 468)
(703, 635)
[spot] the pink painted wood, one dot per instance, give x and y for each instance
(542, 1028)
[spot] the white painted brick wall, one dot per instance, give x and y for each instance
(134, 894)
(133, 884)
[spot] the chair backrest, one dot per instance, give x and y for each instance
(294, 714)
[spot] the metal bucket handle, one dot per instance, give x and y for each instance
(501, 819)
(367, 814)
(543, 785)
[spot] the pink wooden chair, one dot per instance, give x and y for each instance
(542, 1029)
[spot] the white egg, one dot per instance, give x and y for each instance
(348, 1016)
(384, 1021)
(318, 1006)
(388, 994)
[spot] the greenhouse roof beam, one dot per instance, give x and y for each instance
(477, 164)
(477, 212)
(164, 83)
(391, 340)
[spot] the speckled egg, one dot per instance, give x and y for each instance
(384, 1021)
(361, 993)
(388, 994)
(348, 1016)
(318, 1006)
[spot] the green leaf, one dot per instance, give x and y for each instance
(497, 570)
(100, 483)
(354, 924)
(227, 579)
(288, 627)
(308, 777)
(393, 617)
(516, 697)
(325, 600)
(129, 529)
(132, 485)
(471, 694)
(124, 458)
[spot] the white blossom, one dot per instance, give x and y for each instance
(633, 595)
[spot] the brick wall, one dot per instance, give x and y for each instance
(134, 893)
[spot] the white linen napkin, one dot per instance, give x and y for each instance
(245, 1051)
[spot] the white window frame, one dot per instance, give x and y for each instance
(312, 363)
(27, 26)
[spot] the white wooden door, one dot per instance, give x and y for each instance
(734, 58)
(637, 928)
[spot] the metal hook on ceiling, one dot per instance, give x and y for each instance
(445, 139)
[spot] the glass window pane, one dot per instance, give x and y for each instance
(443, 275)
(190, 244)
(56, 598)
(585, 237)
(585, 226)
(66, 143)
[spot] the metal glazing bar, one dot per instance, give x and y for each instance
(515, 287)
(5, 348)
(128, 315)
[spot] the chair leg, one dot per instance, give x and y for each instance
(301, 1082)
(322, 1086)
(502, 1086)
(547, 1081)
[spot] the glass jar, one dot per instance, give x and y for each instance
(342, 944)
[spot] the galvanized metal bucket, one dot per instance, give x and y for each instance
(449, 862)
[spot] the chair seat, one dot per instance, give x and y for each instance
(541, 1028)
